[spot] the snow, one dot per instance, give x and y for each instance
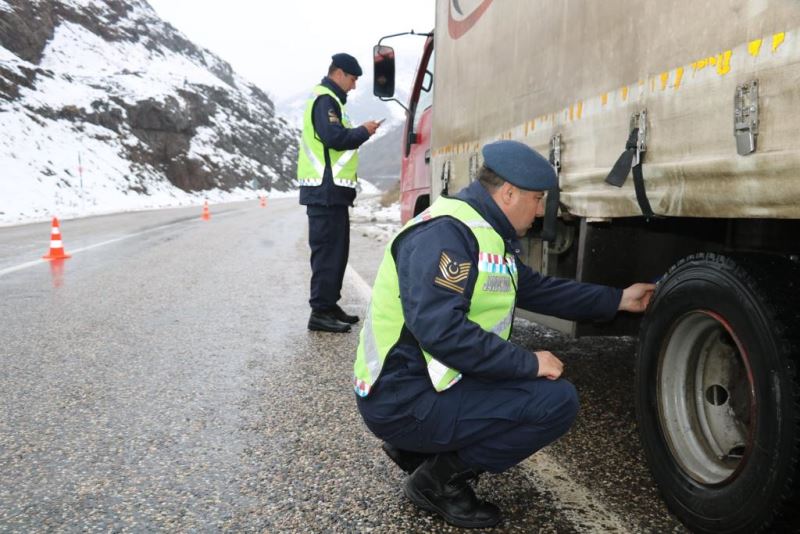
(53, 166)
(373, 220)
(42, 177)
(134, 70)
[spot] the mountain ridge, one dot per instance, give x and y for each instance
(107, 94)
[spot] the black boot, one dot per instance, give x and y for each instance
(340, 315)
(326, 322)
(441, 485)
(408, 461)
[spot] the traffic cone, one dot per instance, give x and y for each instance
(263, 202)
(206, 215)
(56, 246)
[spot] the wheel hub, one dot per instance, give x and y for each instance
(705, 397)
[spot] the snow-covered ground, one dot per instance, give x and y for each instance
(373, 220)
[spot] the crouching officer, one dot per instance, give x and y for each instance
(435, 375)
(327, 167)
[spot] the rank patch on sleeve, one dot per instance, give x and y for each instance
(452, 274)
(332, 116)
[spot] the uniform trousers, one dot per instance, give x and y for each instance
(491, 425)
(329, 239)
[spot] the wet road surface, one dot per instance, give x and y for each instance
(165, 381)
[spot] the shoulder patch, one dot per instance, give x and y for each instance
(332, 116)
(452, 274)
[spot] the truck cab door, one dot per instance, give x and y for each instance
(415, 179)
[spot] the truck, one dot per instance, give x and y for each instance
(674, 128)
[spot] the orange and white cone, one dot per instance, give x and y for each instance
(263, 202)
(206, 214)
(56, 246)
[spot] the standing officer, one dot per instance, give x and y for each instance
(435, 375)
(326, 171)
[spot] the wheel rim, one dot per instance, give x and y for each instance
(706, 398)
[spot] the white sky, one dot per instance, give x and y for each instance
(285, 47)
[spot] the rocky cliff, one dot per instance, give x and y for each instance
(91, 87)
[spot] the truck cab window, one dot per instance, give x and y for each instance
(425, 99)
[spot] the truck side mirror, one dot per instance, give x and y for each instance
(383, 60)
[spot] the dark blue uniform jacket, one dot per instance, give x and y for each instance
(436, 317)
(327, 120)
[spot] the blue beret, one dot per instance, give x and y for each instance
(520, 165)
(347, 63)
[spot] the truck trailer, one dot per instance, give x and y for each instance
(675, 131)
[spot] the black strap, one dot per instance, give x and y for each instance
(623, 167)
(641, 192)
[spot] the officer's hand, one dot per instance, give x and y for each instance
(371, 126)
(550, 367)
(635, 298)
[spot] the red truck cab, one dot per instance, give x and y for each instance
(415, 177)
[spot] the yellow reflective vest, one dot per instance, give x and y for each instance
(491, 305)
(311, 153)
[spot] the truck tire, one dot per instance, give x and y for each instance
(717, 390)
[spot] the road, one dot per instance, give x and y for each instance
(163, 379)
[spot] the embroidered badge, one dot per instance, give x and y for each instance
(332, 116)
(497, 284)
(453, 275)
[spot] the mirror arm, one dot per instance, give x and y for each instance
(412, 32)
(384, 99)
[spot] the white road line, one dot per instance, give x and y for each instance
(72, 252)
(582, 508)
(586, 512)
(362, 287)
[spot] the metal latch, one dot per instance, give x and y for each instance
(445, 176)
(745, 117)
(555, 153)
(639, 120)
(474, 167)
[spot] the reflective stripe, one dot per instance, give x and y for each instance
(342, 161)
(503, 324)
(319, 167)
(309, 181)
(479, 224)
(344, 182)
(436, 370)
(373, 359)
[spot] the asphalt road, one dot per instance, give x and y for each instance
(163, 379)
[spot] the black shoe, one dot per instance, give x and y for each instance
(326, 322)
(408, 461)
(342, 316)
(441, 485)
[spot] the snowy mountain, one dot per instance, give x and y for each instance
(105, 107)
